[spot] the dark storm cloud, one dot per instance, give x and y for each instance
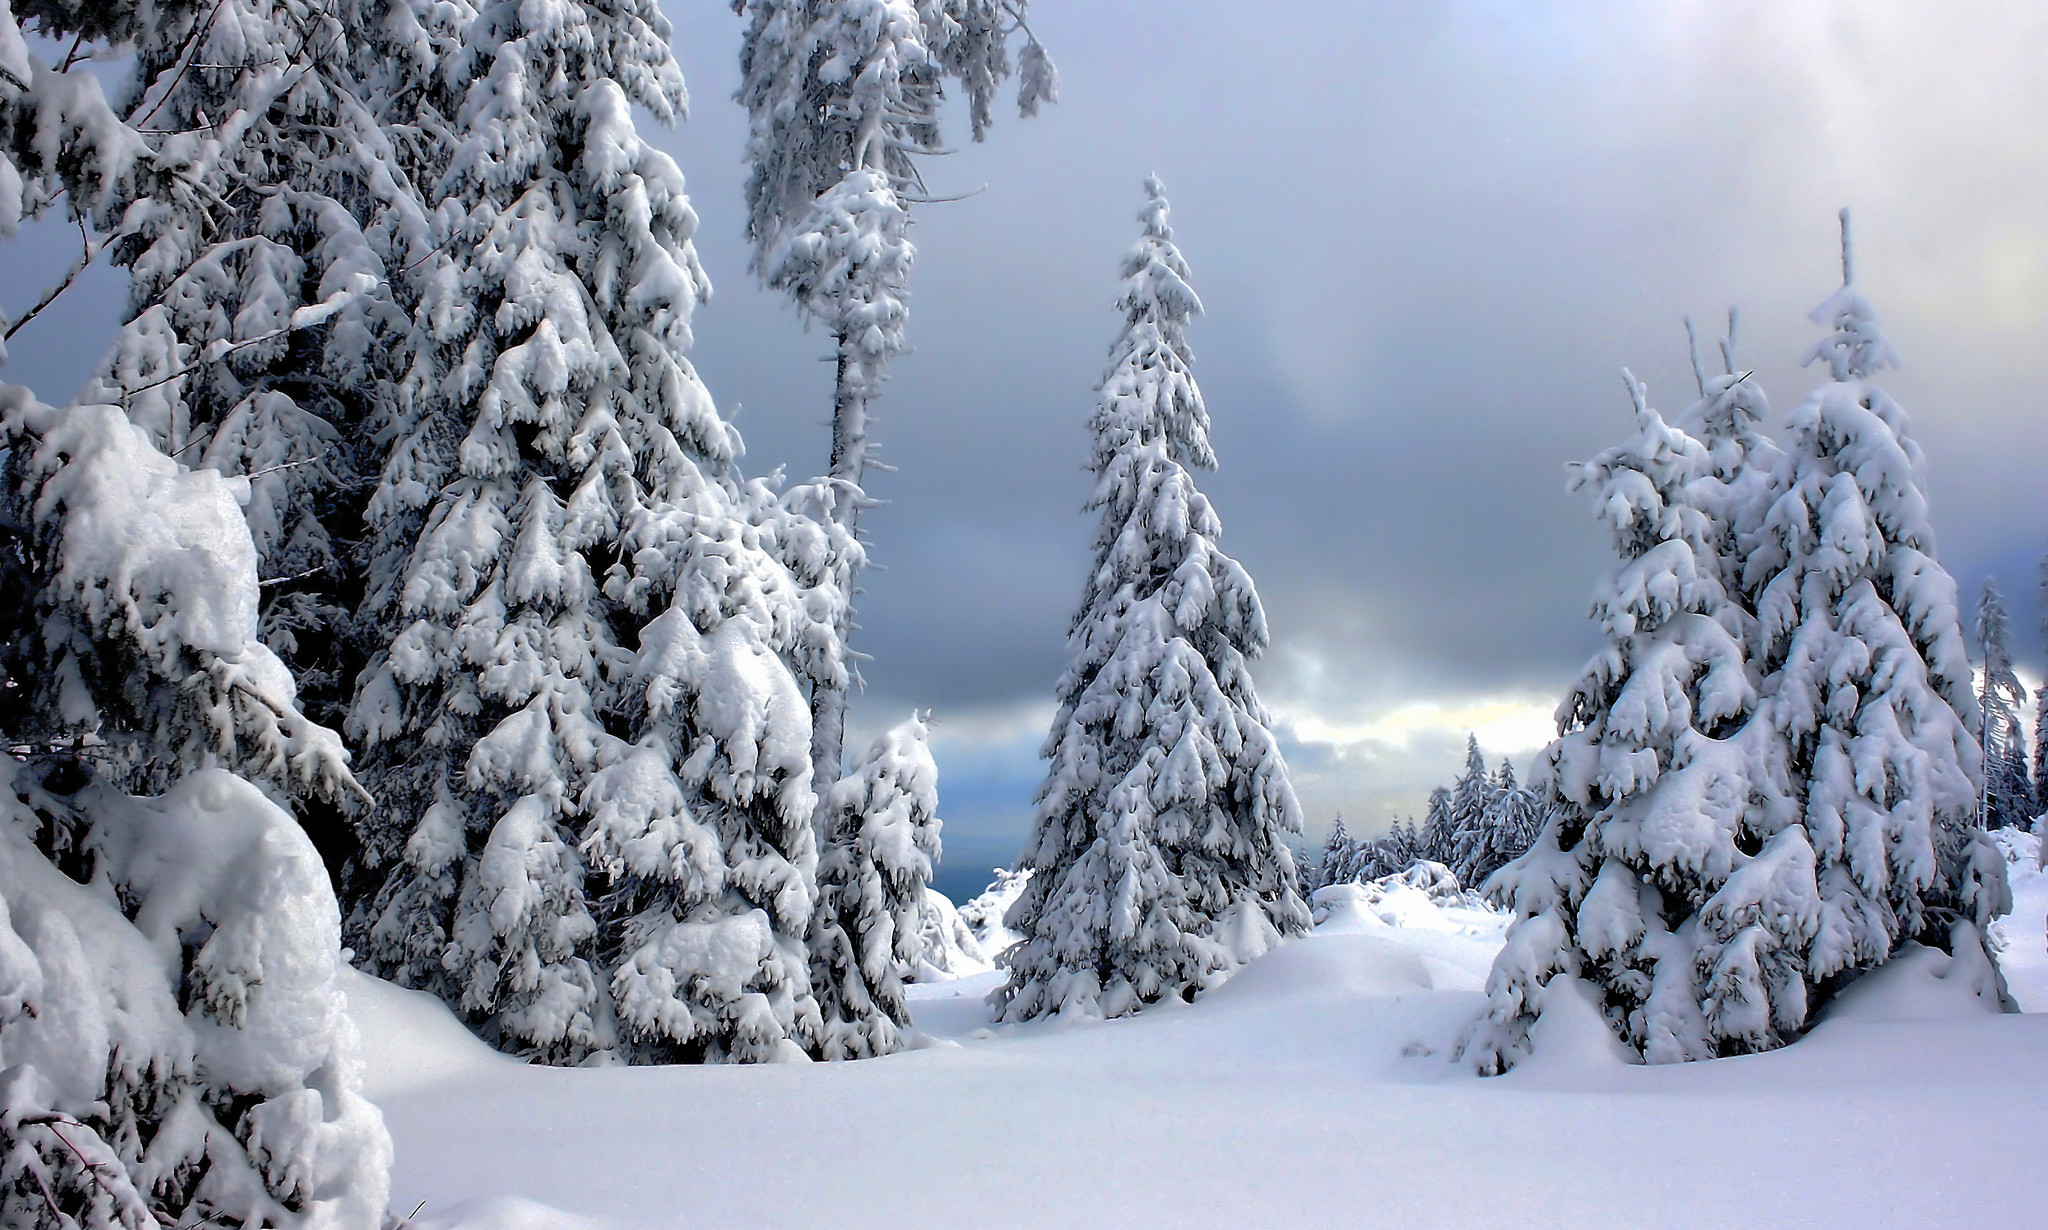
(1427, 236)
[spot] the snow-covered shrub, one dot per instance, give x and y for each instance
(1159, 856)
(879, 848)
(950, 948)
(173, 1039)
(984, 915)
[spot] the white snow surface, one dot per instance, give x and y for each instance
(1311, 1090)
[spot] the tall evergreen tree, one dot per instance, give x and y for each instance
(1656, 782)
(591, 757)
(1470, 815)
(171, 1048)
(1743, 818)
(1862, 627)
(2007, 799)
(1435, 840)
(268, 330)
(842, 95)
(2041, 708)
(1159, 860)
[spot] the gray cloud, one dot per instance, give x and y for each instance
(1428, 235)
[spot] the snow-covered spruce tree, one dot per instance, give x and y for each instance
(1470, 814)
(173, 1045)
(842, 94)
(1863, 631)
(876, 855)
(1435, 839)
(1666, 796)
(268, 329)
(1508, 828)
(2008, 791)
(1340, 850)
(1159, 861)
(591, 757)
(1716, 893)
(2041, 707)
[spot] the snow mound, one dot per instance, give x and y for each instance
(951, 947)
(501, 1213)
(2020, 939)
(1426, 896)
(984, 915)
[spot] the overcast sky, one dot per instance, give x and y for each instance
(1428, 236)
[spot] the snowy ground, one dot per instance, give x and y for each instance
(1312, 1090)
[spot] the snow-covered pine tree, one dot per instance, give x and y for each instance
(1863, 629)
(1470, 814)
(874, 861)
(268, 331)
(1159, 859)
(842, 94)
(1340, 849)
(2040, 764)
(2007, 798)
(1716, 864)
(1511, 822)
(173, 1047)
(591, 757)
(1437, 836)
(1663, 789)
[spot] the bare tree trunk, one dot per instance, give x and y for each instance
(849, 469)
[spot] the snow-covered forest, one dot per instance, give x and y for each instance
(450, 777)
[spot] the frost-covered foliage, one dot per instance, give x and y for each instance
(2008, 798)
(1766, 782)
(269, 329)
(172, 1044)
(128, 611)
(591, 754)
(833, 86)
(174, 1047)
(984, 914)
(1657, 776)
(950, 948)
(841, 94)
(878, 850)
(1863, 629)
(1159, 856)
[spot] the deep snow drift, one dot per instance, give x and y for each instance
(1311, 1090)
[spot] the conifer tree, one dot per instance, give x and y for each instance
(2008, 792)
(877, 856)
(1340, 850)
(1159, 859)
(268, 329)
(1750, 805)
(172, 1045)
(1435, 840)
(1470, 814)
(842, 94)
(2041, 709)
(590, 753)
(1862, 627)
(1653, 778)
